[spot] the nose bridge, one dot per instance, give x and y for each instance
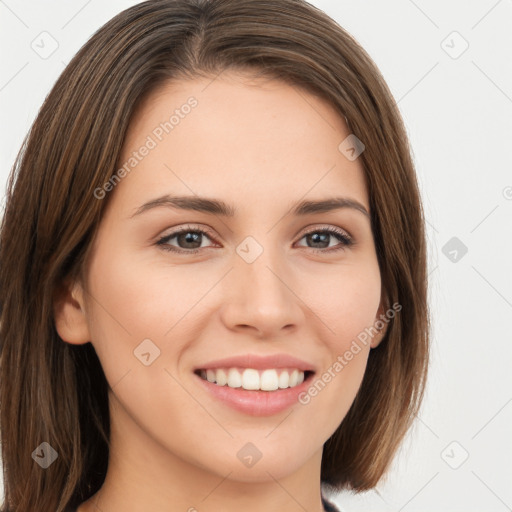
(264, 280)
(260, 292)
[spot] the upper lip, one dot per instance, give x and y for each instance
(259, 362)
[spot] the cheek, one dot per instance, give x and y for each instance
(135, 298)
(139, 308)
(346, 299)
(143, 298)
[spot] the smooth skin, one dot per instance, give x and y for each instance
(261, 146)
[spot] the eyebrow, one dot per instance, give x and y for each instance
(219, 207)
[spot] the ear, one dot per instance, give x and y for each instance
(69, 313)
(381, 322)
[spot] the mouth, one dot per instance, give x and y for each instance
(256, 384)
(255, 392)
(252, 379)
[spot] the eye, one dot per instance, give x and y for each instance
(323, 236)
(188, 239)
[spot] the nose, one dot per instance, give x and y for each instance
(260, 298)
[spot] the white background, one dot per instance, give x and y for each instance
(458, 113)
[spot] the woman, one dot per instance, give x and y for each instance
(213, 269)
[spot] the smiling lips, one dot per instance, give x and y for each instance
(256, 385)
(253, 371)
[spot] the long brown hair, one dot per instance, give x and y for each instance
(55, 392)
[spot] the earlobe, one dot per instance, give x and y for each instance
(69, 314)
(378, 337)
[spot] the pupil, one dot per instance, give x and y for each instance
(190, 238)
(317, 238)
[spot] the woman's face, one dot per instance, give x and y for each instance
(265, 280)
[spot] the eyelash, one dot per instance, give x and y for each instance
(342, 236)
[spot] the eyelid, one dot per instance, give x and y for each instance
(184, 229)
(188, 227)
(327, 227)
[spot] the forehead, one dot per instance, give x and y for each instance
(236, 135)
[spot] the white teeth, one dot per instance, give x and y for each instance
(284, 379)
(293, 378)
(251, 379)
(234, 378)
(269, 380)
(220, 377)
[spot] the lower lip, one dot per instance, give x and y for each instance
(257, 403)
